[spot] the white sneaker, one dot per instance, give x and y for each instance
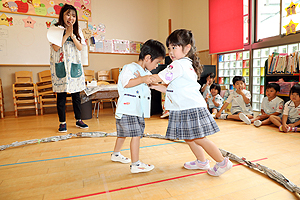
(257, 123)
(196, 165)
(244, 118)
(223, 116)
(213, 115)
(120, 158)
(141, 167)
(219, 170)
(166, 114)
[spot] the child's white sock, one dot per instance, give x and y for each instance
(204, 163)
(222, 163)
(136, 163)
(116, 153)
(62, 122)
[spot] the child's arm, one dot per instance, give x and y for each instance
(138, 80)
(159, 87)
(156, 78)
(222, 108)
(246, 100)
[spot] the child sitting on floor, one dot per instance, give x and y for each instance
(291, 112)
(214, 99)
(240, 99)
(271, 105)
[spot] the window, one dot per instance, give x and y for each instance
(290, 16)
(268, 18)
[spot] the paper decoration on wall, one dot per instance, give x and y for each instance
(53, 22)
(107, 46)
(10, 21)
(28, 22)
(121, 46)
(291, 27)
(47, 7)
(12, 6)
(48, 24)
(22, 6)
(87, 33)
(101, 28)
(3, 20)
(291, 9)
(99, 46)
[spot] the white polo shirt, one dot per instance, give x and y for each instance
(183, 89)
(238, 104)
(218, 100)
(270, 107)
(135, 100)
(291, 111)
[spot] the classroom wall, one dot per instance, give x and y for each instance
(136, 20)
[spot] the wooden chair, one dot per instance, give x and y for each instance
(99, 103)
(1, 101)
(105, 76)
(89, 75)
(24, 92)
(44, 76)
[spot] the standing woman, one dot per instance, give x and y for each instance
(66, 68)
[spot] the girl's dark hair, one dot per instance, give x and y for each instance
(295, 89)
(211, 75)
(183, 37)
(216, 87)
(275, 86)
(61, 22)
(153, 48)
(238, 78)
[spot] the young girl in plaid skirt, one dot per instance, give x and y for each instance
(189, 118)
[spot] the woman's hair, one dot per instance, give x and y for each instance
(216, 87)
(295, 89)
(68, 8)
(183, 37)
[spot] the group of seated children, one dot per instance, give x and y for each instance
(286, 117)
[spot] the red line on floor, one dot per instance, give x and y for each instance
(149, 183)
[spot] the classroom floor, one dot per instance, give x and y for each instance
(80, 168)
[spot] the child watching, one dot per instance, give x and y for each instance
(209, 81)
(240, 99)
(214, 100)
(291, 112)
(271, 105)
(134, 103)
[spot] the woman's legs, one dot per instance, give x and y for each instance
(76, 101)
(61, 106)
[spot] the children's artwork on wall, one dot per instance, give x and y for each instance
(28, 22)
(47, 8)
(4, 20)
(108, 46)
(291, 9)
(121, 46)
(291, 27)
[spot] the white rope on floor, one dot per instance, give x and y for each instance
(256, 166)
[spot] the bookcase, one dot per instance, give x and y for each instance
(233, 64)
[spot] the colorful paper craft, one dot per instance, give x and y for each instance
(28, 22)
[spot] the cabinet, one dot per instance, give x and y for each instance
(233, 64)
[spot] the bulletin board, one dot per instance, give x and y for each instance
(23, 43)
(46, 7)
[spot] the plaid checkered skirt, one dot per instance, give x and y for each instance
(190, 124)
(130, 126)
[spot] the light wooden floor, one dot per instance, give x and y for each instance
(80, 168)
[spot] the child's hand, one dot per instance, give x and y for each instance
(147, 79)
(137, 74)
(239, 91)
(207, 95)
(291, 125)
(158, 87)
